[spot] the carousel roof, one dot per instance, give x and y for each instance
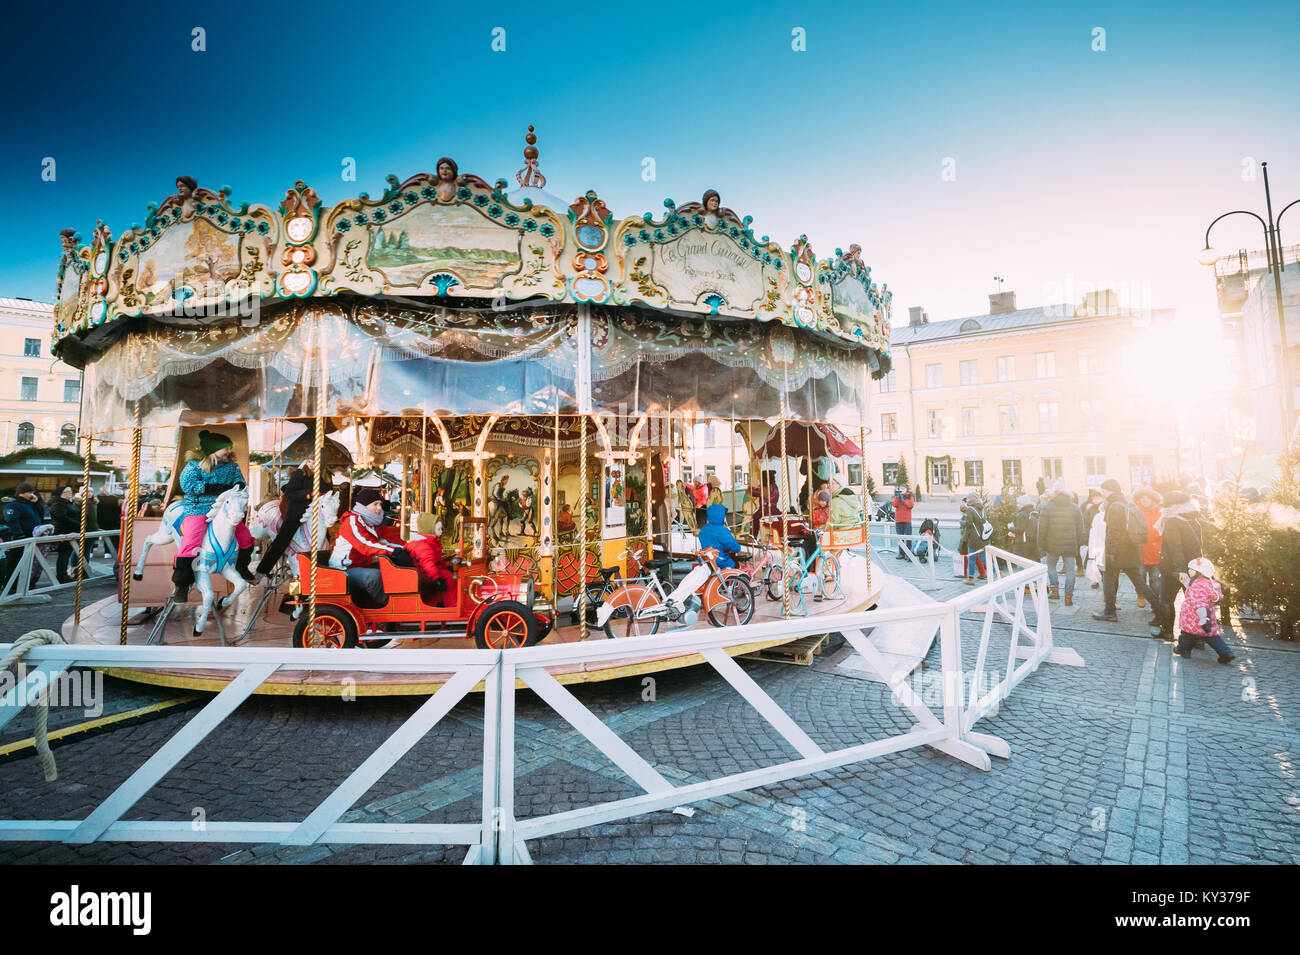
(446, 236)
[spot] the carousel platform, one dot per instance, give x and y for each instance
(101, 623)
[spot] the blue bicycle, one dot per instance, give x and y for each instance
(813, 571)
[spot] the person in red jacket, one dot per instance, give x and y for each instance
(435, 573)
(903, 504)
(362, 538)
(1148, 502)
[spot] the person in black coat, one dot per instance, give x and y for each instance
(1122, 555)
(296, 494)
(65, 514)
(1060, 534)
(23, 515)
(1180, 542)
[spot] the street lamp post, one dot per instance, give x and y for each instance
(1273, 251)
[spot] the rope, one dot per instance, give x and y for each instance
(28, 641)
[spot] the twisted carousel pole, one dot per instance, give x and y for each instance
(128, 528)
(582, 530)
(866, 508)
(81, 535)
(318, 454)
(785, 524)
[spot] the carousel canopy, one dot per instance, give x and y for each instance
(199, 260)
(819, 440)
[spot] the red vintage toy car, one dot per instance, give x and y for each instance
(496, 609)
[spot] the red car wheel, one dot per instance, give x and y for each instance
(506, 624)
(333, 629)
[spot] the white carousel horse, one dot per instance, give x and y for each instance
(216, 553)
(267, 521)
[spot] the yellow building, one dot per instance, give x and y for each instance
(39, 395)
(1006, 398)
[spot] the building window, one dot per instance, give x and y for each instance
(855, 475)
(934, 376)
(1088, 413)
(887, 383)
(71, 391)
(970, 422)
(1094, 469)
(1088, 361)
(1052, 469)
(688, 475)
(940, 474)
(1141, 470)
(1011, 473)
(889, 471)
(889, 426)
(1049, 416)
(31, 348)
(737, 475)
(710, 471)
(970, 372)
(1007, 368)
(1008, 419)
(974, 473)
(26, 434)
(1045, 363)
(28, 392)
(934, 422)
(68, 436)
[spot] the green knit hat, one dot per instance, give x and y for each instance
(210, 442)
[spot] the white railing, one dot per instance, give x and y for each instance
(891, 542)
(500, 836)
(35, 561)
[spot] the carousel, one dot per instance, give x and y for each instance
(532, 407)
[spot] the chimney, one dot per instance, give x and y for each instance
(1102, 302)
(1000, 303)
(916, 316)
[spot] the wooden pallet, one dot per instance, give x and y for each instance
(797, 652)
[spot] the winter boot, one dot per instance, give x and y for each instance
(1226, 658)
(241, 564)
(1069, 600)
(1142, 602)
(183, 578)
(1054, 593)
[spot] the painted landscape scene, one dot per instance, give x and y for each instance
(428, 240)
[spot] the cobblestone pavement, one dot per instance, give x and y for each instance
(1138, 757)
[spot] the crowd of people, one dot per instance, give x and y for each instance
(1153, 539)
(25, 514)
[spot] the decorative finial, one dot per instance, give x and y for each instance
(530, 177)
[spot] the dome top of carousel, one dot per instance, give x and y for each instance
(450, 237)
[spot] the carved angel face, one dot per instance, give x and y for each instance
(446, 172)
(711, 202)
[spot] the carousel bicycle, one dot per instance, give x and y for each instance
(640, 604)
(813, 570)
(764, 567)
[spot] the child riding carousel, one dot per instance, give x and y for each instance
(210, 471)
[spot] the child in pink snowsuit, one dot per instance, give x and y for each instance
(1199, 617)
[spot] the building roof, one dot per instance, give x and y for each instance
(25, 305)
(1020, 319)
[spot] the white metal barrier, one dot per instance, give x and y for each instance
(500, 836)
(34, 561)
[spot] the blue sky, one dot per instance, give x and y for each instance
(1073, 167)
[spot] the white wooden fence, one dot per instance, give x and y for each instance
(36, 562)
(500, 836)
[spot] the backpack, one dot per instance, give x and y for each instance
(1136, 524)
